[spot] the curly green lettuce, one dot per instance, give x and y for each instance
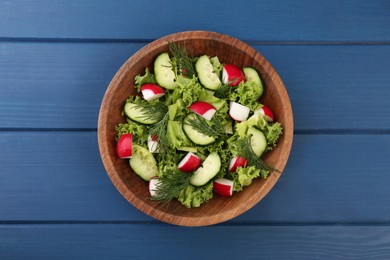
(244, 176)
(190, 89)
(138, 131)
(247, 94)
(193, 197)
(272, 134)
(147, 78)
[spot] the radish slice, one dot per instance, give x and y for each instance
(237, 162)
(153, 183)
(152, 91)
(189, 163)
(267, 112)
(223, 187)
(204, 109)
(233, 74)
(239, 112)
(124, 146)
(153, 144)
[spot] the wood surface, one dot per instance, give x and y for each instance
(56, 61)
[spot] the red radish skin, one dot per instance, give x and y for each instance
(238, 112)
(204, 109)
(153, 183)
(237, 162)
(124, 146)
(189, 163)
(152, 91)
(267, 112)
(153, 144)
(223, 187)
(233, 74)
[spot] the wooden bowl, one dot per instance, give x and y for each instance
(135, 190)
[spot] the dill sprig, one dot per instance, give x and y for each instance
(248, 153)
(203, 126)
(152, 111)
(171, 185)
(182, 60)
(223, 91)
(159, 129)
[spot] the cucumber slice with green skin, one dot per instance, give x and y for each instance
(251, 75)
(195, 136)
(134, 112)
(143, 163)
(207, 77)
(210, 167)
(163, 72)
(258, 141)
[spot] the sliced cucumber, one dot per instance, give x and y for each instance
(251, 75)
(210, 167)
(195, 136)
(258, 140)
(143, 163)
(207, 77)
(134, 112)
(163, 72)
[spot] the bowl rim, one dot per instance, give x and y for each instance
(167, 217)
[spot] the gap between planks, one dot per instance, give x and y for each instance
(146, 41)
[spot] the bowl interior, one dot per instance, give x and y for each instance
(135, 190)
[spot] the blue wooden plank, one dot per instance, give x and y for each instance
(218, 242)
(253, 20)
(329, 178)
(61, 85)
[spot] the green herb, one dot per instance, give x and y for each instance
(181, 60)
(248, 153)
(153, 111)
(203, 126)
(170, 186)
(223, 91)
(160, 130)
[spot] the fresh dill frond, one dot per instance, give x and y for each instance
(223, 91)
(182, 60)
(159, 129)
(248, 153)
(205, 127)
(151, 111)
(171, 185)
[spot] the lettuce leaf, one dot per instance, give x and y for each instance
(190, 89)
(193, 197)
(246, 94)
(272, 134)
(138, 131)
(176, 136)
(144, 79)
(244, 176)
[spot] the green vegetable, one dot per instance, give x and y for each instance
(147, 78)
(247, 94)
(272, 133)
(244, 176)
(193, 197)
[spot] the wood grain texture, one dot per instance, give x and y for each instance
(329, 178)
(61, 85)
(244, 242)
(132, 188)
(303, 20)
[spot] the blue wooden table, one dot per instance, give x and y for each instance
(56, 61)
